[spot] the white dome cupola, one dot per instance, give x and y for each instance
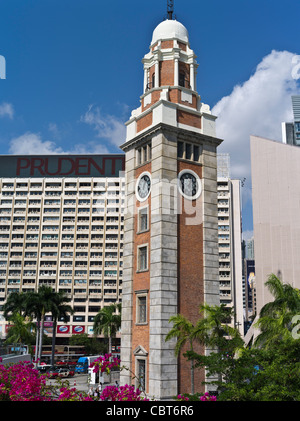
(169, 90)
(170, 29)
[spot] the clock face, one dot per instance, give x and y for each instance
(189, 184)
(143, 186)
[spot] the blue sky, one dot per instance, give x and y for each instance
(74, 72)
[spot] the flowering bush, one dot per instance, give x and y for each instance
(205, 397)
(105, 363)
(21, 382)
(208, 397)
(122, 393)
(67, 394)
(182, 398)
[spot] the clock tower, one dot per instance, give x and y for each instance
(171, 225)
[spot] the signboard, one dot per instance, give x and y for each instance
(63, 329)
(37, 166)
(77, 329)
(250, 276)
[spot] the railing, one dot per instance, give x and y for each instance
(16, 349)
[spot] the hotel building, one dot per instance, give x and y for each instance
(63, 230)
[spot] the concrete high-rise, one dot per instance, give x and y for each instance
(61, 225)
(291, 130)
(229, 239)
(276, 197)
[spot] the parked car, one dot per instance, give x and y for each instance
(63, 372)
(45, 368)
(71, 372)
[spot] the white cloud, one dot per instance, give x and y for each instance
(6, 110)
(106, 126)
(257, 107)
(31, 143)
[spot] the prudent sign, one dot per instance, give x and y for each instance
(26, 166)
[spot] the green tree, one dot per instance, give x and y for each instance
(184, 331)
(270, 370)
(60, 309)
(108, 322)
(20, 330)
(213, 328)
(15, 303)
(276, 317)
(260, 374)
(37, 305)
(92, 345)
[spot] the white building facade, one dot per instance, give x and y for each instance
(230, 241)
(65, 232)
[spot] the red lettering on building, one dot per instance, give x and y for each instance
(36, 163)
(21, 166)
(74, 166)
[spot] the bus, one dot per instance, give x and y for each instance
(68, 354)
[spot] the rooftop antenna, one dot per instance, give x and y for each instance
(170, 9)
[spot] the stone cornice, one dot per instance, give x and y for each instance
(182, 134)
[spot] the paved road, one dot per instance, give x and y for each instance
(80, 381)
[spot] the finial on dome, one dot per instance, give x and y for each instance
(170, 9)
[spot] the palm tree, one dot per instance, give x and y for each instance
(37, 305)
(20, 331)
(108, 322)
(15, 303)
(60, 310)
(34, 312)
(184, 331)
(275, 318)
(213, 329)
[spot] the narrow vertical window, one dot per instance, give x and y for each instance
(196, 153)
(139, 157)
(153, 81)
(181, 79)
(143, 219)
(141, 309)
(145, 157)
(188, 151)
(142, 258)
(180, 149)
(149, 152)
(142, 373)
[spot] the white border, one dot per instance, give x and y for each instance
(142, 199)
(198, 183)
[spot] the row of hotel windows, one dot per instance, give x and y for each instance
(63, 236)
(31, 254)
(23, 193)
(53, 218)
(82, 273)
(6, 228)
(73, 201)
(47, 202)
(16, 210)
(57, 218)
(67, 184)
